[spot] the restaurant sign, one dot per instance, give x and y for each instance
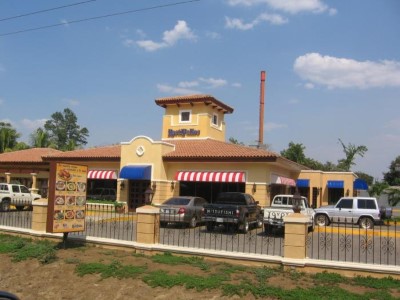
(67, 198)
(183, 132)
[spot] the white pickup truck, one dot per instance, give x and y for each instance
(17, 195)
(281, 206)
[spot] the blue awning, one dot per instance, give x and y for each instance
(303, 183)
(360, 184)
(335, 184)
(136, 172)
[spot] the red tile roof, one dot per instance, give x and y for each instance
(107, 153)
(213, 150)
(33, 155)
(199, 98)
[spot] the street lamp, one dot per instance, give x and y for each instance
(296, 201)
(149, 194)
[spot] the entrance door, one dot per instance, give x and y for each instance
(137, 196)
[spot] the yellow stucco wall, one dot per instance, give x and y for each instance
(320, 180)
(201, 119)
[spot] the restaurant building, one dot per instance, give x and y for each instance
(192, 158)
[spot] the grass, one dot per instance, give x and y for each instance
(22, 249)
(114, 269)
(169, 259)
(222, 278)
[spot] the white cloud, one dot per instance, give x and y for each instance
(186, 87)
(309, 86)
(289, 6)
(213, 35)
(237, 85)
(213, 83)
(128, 43)
(170, 37)
(33, 124)
(393, 124)
(274, 19)
(188, 84)
(336, 72)
(270, 126)
(168, 89)
(1, 101)
(65, 22)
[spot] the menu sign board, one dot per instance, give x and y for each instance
(67, 198)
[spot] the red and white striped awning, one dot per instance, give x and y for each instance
(101, 174)
(210, 176)
(282, 180)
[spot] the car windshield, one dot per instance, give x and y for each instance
(177, 201)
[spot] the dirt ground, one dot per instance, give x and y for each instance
(32, 280)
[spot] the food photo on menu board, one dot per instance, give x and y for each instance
(69, 198)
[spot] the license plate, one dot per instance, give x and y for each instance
(220, 220)
(167, 211)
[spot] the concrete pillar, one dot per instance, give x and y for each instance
(296, 230)
(34, 188)
(148, 225)
(8, 177)
(39, 215)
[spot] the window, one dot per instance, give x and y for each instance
(4, 187)
(345, 203)
(15, 189)
(185, 116)
(24, 189)
(366, 204)
(215, 119)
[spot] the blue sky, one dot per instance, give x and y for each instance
(333, 69)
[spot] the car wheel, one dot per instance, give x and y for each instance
(193, 222)
(321, 220)
(210, 226)
(366, 223)
(5, 206)
(245, 226)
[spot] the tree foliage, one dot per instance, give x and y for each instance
(350, 152)
(295, 152)
(392, 177)
(41, 139)
(8, 137)
(64, 131)
(235, 141)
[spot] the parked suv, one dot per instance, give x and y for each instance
(363, 211)
(17, 195)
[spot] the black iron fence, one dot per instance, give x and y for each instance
(18, 214)
(103, 221)
(345, 242)
(348, 242)
(223, 238)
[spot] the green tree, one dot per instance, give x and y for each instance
(8, 137)
(64, 131)
(350, 151)
(392, 177)
(235, 141)
(41, 139)
(377, 188)
(295, 152)
(394, 195)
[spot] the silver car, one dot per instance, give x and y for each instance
(182, 209)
